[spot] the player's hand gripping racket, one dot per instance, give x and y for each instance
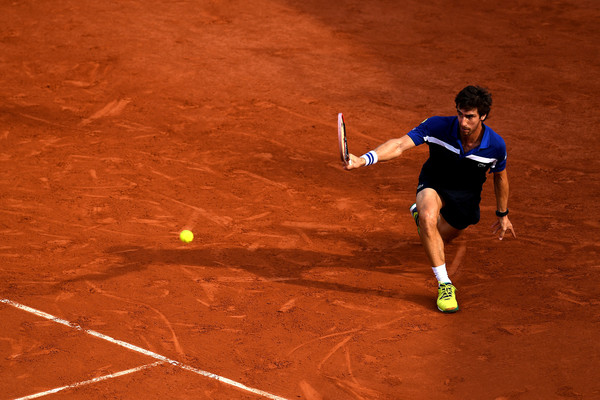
(342, 140)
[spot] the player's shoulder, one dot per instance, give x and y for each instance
(494, 138)
(440, 127)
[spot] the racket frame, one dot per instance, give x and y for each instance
(343, 140)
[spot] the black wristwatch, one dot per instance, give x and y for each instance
(501, 214)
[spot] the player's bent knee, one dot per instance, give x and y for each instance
(427, 222)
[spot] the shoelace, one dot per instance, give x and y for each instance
(446, 292)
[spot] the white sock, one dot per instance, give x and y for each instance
(441, 274)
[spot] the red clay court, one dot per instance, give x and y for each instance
(122, 123)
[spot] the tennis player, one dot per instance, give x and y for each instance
(462, 149)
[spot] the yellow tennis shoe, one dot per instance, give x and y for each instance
(446, 301)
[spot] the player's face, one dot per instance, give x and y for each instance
(469, 121)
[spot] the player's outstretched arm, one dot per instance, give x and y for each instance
(387, 151)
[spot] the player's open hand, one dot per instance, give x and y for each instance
(501, 226)
(355, 162)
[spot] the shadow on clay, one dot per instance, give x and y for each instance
(291, 266)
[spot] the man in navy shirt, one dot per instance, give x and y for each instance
(462, 149)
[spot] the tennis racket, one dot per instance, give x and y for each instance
(342, 140)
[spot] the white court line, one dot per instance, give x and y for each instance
(142, 351)
(99, 379)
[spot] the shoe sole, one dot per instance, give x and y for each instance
(412, 209)
(449, 311)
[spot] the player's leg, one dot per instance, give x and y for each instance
(447, 231)
(434, 230)
(429, 204)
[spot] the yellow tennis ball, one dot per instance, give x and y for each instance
(186, 236)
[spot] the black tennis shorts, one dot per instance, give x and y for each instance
(460, 209)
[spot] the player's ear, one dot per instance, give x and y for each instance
(483, 117)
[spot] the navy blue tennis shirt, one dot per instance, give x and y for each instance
(448, 166)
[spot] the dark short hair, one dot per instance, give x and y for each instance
(475, 97)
